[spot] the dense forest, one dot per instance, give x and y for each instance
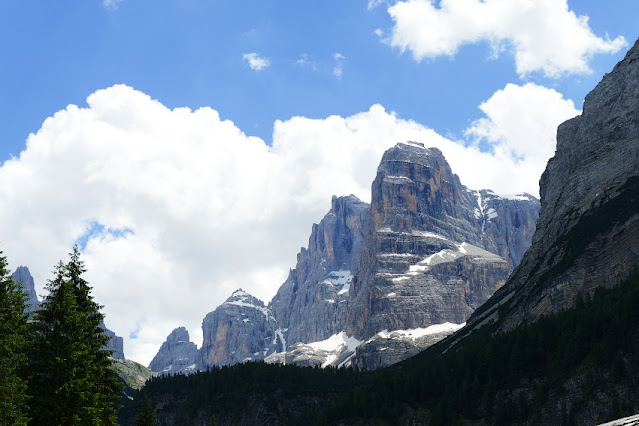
(578, 366)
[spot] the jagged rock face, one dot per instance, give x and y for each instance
(430, 257)
(337, 351)
(415, 189)
(176, 355)
(386, 348)
(312, 303)
(22, 275)
(588, 229)
(507, 224)
(241, 329)
(116, 343)
(426, 251)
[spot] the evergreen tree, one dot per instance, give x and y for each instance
(58, 390)
(99, 364)
(72, 378)
(146, 417)
(13, 349)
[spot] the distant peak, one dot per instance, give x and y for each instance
(240, 293)
(412, 143)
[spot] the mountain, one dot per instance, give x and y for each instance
(557, 344)
(177, 355)
(23, 275)
(241, 329)
(426, 252)
(588, 226)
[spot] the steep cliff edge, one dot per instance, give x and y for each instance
(176, 355)
(431, 254)
(588, 226)
(426, 251)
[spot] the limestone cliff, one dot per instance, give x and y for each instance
(427, 251)
(23, 275)
(431, 255)
(588, 226)
(241, 329)
(176, 355)
(311, 305)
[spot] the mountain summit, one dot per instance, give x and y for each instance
(378, 282)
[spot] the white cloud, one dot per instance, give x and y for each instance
(522, 121)
(338, 69)
(209, 209)
(544, 34)
(255, 61)
(111, 4)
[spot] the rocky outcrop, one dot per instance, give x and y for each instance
(427, 251)
(387, 348)
(431, 255)
(239, 330)
(311, 305)
(176, 355)
(23, 276)
(115, 344)
(588, 226)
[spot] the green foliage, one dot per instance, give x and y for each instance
(14, 344)
(278, 393)
(146, 417)
(508, 378)
(71, 377)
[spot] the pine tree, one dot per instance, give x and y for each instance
(58, 390)
(14, 343)
(99, 365)
(146, 417)
(71, 378)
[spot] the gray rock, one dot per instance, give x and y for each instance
(426, 251)
(588, 227)
(431, 255)
(22, 275)
(176, 355)
(312, 303)
(116, 343)
(241, 329)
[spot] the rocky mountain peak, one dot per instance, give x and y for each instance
(22, 275)
(177, 354)
(416, 190)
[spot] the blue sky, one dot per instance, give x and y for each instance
(189, 145)
(189, 53)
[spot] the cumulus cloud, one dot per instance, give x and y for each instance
(522, 121)
(255, 61)
(178, 208)
(544, 34)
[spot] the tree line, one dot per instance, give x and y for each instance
(53, 370)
